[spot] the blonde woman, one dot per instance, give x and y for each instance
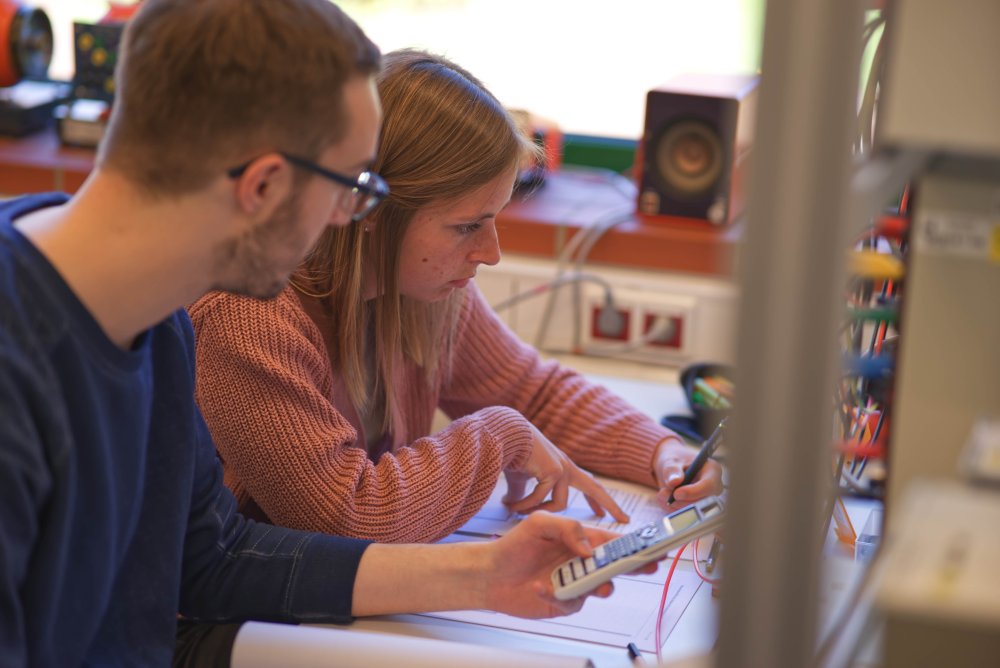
(321, 401)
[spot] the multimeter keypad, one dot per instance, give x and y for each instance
(612, 551)
(630, 552)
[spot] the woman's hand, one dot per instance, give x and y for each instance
(554, 473)
(670, 459)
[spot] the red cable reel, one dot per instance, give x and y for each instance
(25, 42)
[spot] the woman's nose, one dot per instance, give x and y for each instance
(487, 251)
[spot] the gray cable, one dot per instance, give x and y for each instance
(551, 286)
(597, 231)
(565, 257)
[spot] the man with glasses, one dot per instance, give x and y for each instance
(113, 515)
(366, 191)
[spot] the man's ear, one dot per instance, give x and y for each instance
(263, 185)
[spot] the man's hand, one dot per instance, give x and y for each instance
(670, 459)
(518, 580)
(554, 474)
(512, 574)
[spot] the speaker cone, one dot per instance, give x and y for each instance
(689, 158)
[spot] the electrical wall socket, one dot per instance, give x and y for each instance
(610, 323)
(662, 330)
(647, 309)
(704, 310)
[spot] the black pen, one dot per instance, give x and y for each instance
(634, 654)
(707, 450)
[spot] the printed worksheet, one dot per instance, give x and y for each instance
(637, 501)
(628, 615)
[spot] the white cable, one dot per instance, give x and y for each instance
(628, 188)
(564, 256)
(866, 112)
(853, 482)
(581, 258)
(597, 227)
(662, 328)
(586, 237)
(551, 286)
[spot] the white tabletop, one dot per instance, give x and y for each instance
(653, 390)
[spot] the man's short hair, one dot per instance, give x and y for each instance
(203, 85)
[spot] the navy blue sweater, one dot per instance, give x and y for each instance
(113, 515)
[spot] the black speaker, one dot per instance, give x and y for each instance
(695, 148)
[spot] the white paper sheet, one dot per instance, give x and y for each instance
(263, 645)
(493, 519)
(629, 615)
(638, 501)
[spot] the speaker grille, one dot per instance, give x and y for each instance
(698, 130)
(689, 157)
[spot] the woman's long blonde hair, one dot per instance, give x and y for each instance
(443, 136)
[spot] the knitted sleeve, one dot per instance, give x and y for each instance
(264, 384)
(596, 428)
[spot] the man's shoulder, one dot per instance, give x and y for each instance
(174, 336)
(23, 366)
(19, 259)
(18, 206)
(20, 328)
(12, 242)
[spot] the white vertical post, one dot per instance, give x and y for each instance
(792, 274)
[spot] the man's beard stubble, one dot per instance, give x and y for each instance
(252, 271)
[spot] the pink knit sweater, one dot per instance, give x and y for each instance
(293, 446)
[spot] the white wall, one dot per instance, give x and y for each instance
(706, 306)
(585, 64)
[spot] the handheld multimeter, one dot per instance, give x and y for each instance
(627, 553)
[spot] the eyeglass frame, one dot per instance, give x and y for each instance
(376, 191)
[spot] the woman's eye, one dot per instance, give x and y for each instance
(470, 228)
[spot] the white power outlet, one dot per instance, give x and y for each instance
(672, 316)
(610, 322)
(702, 310)
(663, 330)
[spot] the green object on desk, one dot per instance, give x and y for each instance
(879, 314)
(618, 155)
(708, 395)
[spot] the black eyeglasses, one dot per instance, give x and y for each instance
(367, 190)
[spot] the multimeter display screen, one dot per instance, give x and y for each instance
(683, 519)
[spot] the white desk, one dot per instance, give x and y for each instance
(653, 390)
